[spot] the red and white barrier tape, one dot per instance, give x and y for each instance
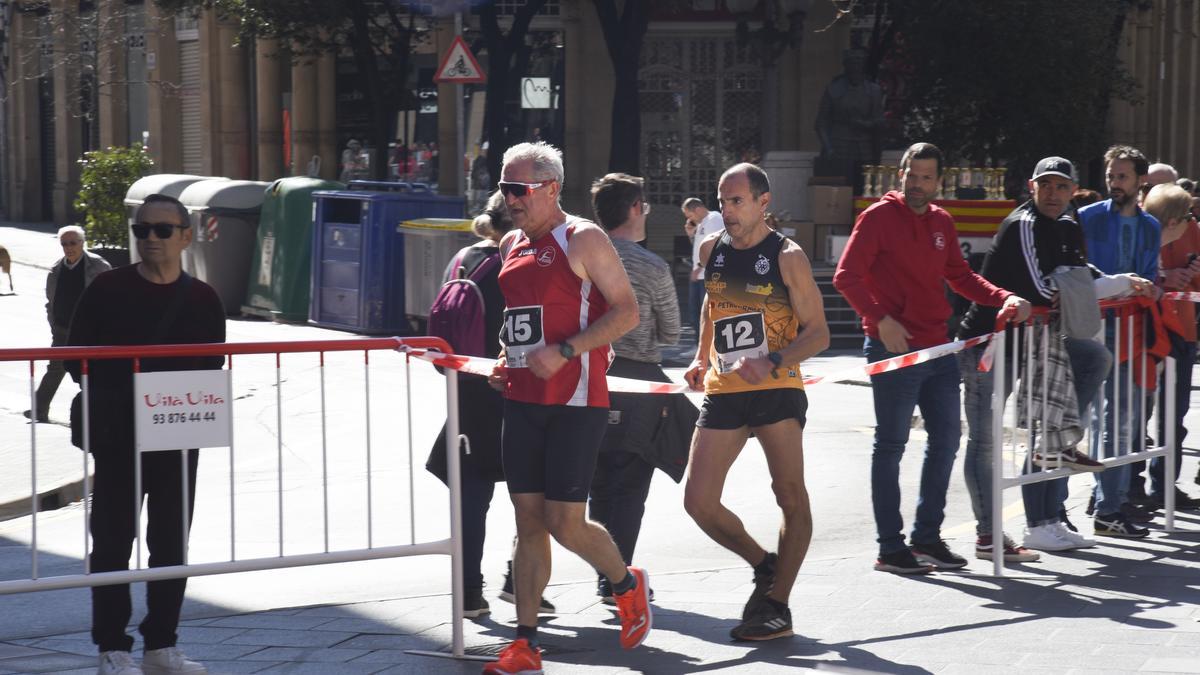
(1191, 296)
(477, 365)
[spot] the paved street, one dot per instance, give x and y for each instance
(1123, 606)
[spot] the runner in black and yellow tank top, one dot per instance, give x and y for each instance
(751, 314)
(762, 317)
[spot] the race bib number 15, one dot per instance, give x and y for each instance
(734, 337)
(521, 334)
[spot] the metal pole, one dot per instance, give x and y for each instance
(324, 459)
(279, 447)
(459, 115)
(33, 494)
(454, 477)
(367, 409)
(232, 518)
(998, 385)
(1168, 478)
(87, 481)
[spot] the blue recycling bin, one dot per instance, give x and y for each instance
(358, 256)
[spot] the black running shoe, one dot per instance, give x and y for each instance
(763, 583)
(764, 623)
(1117, 525)
(901, 562)
(939, 555)
(507, 595)
(474, 604)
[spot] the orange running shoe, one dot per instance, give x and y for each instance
(517, 659)
(633, 606)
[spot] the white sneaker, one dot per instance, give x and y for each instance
(1045, 538)
(169, 661)
(118, 663)
(1074, 538)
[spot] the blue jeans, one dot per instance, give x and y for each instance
(1184, 353)
(1112, 485)
(695, 300)
(933, 387)
(977, 463)
(1090, 363)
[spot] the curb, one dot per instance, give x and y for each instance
(47, 500)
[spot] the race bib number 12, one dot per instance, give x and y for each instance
(521, 334)
(735, 337)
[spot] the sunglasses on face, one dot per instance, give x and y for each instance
(71, 242)
(515, 189)
(161, 230)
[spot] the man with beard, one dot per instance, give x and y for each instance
(901, 250)
(1121, 238)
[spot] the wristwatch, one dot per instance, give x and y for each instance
(776, 360)
(567, 351)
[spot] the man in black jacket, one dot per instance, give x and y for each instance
(152, 302)
(1035, 239)
(75, 271)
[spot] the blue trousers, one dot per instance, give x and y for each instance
(933, 388)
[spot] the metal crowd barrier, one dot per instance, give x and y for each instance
(1012, 458)
(325, 552)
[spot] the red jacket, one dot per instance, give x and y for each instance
(894, 265)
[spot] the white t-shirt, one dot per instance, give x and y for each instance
(713, 222)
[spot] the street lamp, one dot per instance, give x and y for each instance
(771, 38)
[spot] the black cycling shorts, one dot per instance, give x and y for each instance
(551, 449)
(753, 408)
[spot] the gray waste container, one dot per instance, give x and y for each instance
(224, 218)
(429, 244)
(170, 184)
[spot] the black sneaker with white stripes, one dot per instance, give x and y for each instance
(765, 622)
(1118, 525)
(763, 583)
(938, 554)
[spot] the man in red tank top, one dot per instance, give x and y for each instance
(567, 299)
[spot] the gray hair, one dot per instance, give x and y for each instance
(547, 159)
(72, 228)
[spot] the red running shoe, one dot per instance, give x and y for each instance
(633, 606)
(517, 659)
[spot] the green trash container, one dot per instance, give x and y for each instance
(281, 269)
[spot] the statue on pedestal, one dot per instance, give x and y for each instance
(850, 121)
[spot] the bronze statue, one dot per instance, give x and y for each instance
(849, 121)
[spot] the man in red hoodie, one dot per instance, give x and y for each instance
(901, 250)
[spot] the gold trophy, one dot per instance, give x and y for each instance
(952, 181)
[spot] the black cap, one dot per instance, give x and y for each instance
(1056, 166)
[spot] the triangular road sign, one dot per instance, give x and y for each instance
(459, 66)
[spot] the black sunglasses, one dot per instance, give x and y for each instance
(161, 230)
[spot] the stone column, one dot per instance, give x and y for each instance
(162, 72)
(66, 110)
(268, 71)
(210, 92)
(305, 118)
(233, 106)
(111, 75)
(24, 164)
(327, 146)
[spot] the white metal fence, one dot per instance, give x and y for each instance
(322, 466)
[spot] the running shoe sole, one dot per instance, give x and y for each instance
(781, 633)
(938, 564)
(884, 567)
